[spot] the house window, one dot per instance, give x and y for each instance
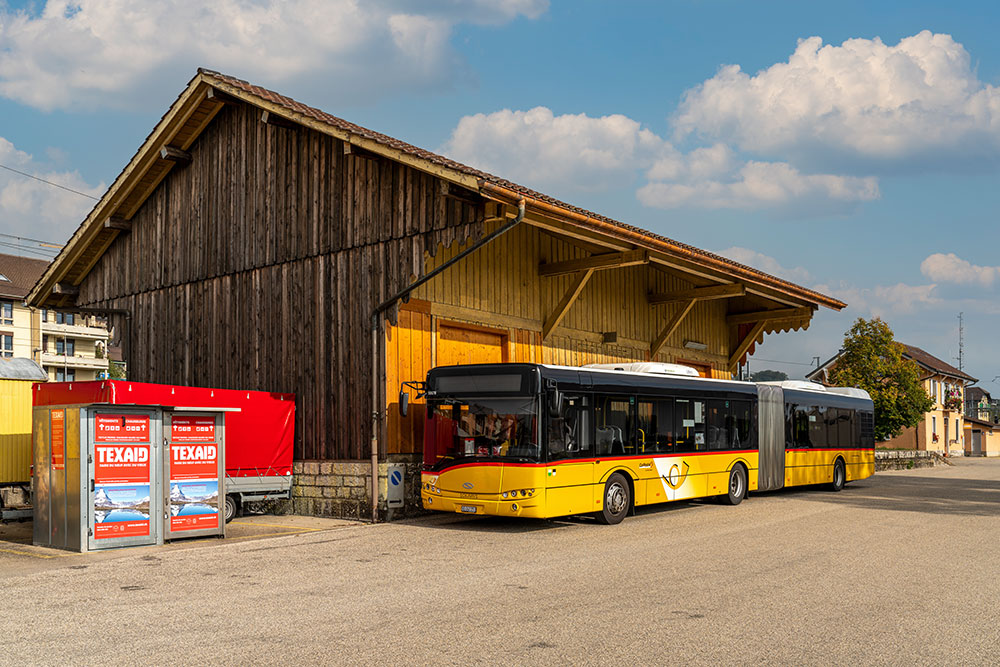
(933, 426)
(67, 375)
(66, 347)
(45, 314)
(45, 342)
(7, 345)
(6, 312)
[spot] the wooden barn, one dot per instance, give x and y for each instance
(254, 242)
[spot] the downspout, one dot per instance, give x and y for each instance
(376, 330)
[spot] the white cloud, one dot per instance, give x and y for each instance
(36, 210)
(766, 263)
(567, 151)
(98, 53)
(919, 100)
(754, 185)
(950, 268)
(578, 152)
(885, 300)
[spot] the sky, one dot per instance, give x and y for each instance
(851, 147)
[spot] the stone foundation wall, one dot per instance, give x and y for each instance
(907, 460)
(342, 489)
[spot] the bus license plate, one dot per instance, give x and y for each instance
(468, 509)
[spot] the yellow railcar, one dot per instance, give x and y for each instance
(544, 441)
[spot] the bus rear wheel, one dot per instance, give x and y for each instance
(737, 486)
(839, 476)
(617, 500)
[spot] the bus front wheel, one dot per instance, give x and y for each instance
(737, 486)
(617, 500)
(839, 476)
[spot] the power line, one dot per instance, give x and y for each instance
(25, 238)
(44, 254)
(61, 187)
(778, 361)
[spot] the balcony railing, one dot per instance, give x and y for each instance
(74, 331)
(63, 361)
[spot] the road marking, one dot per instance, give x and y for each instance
(274, 525)
(28, 553)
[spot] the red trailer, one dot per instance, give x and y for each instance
(260, 428)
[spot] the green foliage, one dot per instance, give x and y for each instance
(872, 360)
(768, 376)
(116, 371)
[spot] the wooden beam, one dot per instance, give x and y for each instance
(65, 289)
(175, 154)
(613, 260)
(269, 118)
(671, 327)
(557, 315)
(744, 345)
(121, 224)
(351, 149)
(217, 95)
(458, 193)
(700, 293)
(568, 231)
(764, 315)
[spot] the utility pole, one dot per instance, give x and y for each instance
(961, 342)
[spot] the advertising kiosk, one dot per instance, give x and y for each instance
(111, 475)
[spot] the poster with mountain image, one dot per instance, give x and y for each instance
(121, 510)
(194, 504)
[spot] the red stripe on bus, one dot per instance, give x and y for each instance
(590, 460)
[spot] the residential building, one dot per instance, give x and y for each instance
(979, 404)
(68, 345)
(942, 429)
(255, 242)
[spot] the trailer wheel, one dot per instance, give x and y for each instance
(232, 507)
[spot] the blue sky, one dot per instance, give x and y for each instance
(852, 147)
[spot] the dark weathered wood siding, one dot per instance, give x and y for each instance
(258, 265)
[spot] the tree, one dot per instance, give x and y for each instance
(768, 376)
(872, 360)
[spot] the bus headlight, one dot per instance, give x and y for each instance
(514, 507)
(503, 495)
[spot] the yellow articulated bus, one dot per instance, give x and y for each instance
(532, 440)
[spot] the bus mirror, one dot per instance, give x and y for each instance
(404, 403)
(556, 402)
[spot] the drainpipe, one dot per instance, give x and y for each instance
(376, 330)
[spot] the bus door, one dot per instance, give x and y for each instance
(569, 469)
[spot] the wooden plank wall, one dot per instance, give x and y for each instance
(259, 264)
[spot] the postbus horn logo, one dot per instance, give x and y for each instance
(467, 485)
(676, 475)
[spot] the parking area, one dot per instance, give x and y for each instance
(18, 556)
(897, 569)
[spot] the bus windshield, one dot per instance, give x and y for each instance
(500, 429)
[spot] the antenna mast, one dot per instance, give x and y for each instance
(961, 342)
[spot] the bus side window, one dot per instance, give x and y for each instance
(817, 426)
(655, 422)
(689, 425)
(716, 431)
(570, 435)
(801, 426)
(740, 437)
(613, 428)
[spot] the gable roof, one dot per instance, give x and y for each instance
(933, 364)
(205, 96)
(21, 274)
(926, 361)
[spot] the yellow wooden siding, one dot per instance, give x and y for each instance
(15, 431)
(502, 279)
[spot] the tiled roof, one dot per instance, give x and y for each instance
(21, 273)
(433, 158)
(930, 362)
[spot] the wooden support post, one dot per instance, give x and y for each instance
(612, 260)
(571, 295)
(701, 293)
(671, 327)
(121, 224)
(762, 315)
(458, 193)
(744, 345)
(175, 154)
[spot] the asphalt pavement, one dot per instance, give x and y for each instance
(902, 568)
